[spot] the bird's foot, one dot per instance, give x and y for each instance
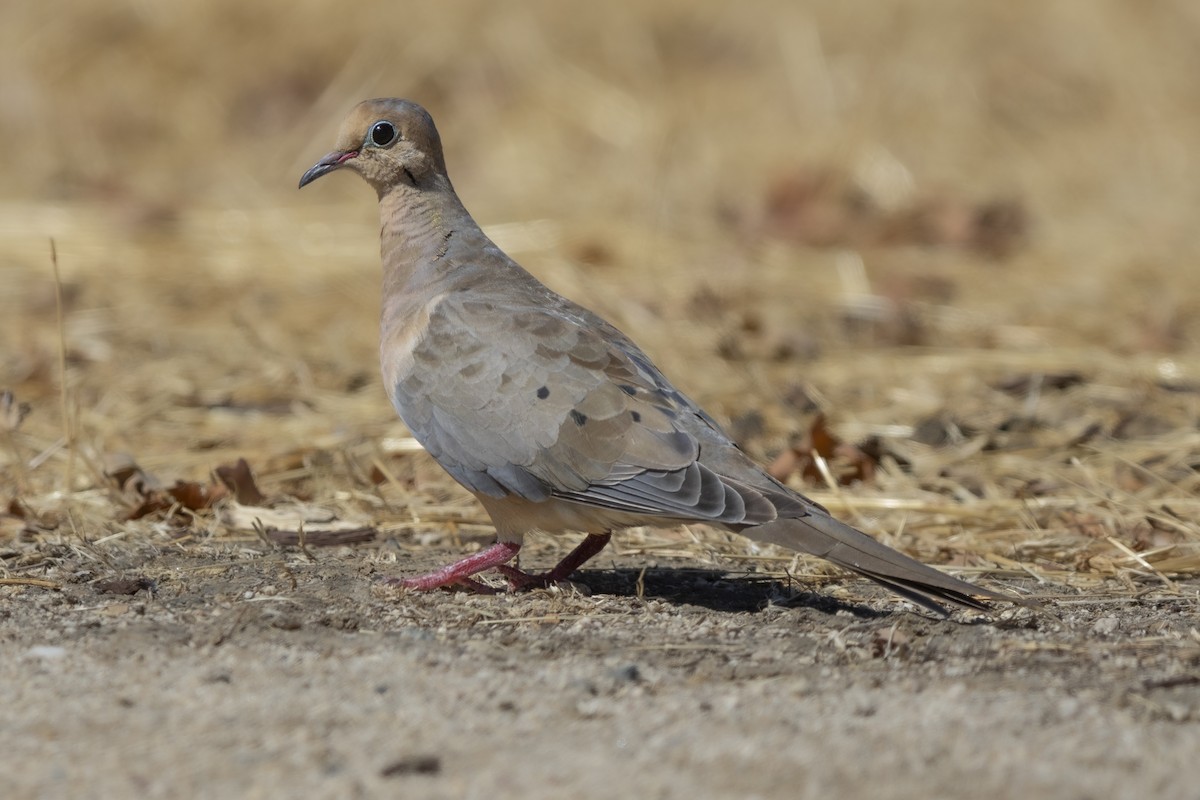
(457, 576)
(519, 581)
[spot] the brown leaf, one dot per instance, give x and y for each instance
(1001, 227)
(823, 207)
(1151, 533)
(821, 439)
(238, 478)
(196, 496)
(819, 207)
(1086, 524)
(17, 509)
(848, 463)
(594, 253)
(184, 494)
(128, 476)
(784, 464)
(153, 503)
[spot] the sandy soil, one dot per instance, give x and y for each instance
(246, 672)
(947, 251)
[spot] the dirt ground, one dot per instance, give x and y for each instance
(936, 264)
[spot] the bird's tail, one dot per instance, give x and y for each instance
(823, 536)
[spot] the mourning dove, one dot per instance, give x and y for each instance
(554, 419)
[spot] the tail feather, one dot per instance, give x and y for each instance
(826, 537)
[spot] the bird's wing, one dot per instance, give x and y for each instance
(544, 399)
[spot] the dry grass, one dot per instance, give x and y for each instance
(1035, 409)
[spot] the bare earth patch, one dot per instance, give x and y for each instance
(241, 670)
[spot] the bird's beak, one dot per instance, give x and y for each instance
(329, 163)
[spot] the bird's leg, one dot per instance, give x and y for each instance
(589, 547)
(460, 572)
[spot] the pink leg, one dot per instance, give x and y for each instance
(460, 572)
(589, 547)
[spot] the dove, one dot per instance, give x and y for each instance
(550, 416)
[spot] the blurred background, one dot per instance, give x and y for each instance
(964, 233)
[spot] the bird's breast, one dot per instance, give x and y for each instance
(403, 328)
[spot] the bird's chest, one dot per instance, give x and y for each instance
(435, 357)
(405, 332)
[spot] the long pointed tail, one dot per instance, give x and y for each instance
(835, 541)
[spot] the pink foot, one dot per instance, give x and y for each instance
(459, 573)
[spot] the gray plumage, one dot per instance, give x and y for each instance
(552, 417)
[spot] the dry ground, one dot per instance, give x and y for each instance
(935, 262)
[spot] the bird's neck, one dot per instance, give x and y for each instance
(423, 237)
(419, 226)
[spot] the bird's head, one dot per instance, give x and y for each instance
(389, 142)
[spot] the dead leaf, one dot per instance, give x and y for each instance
(848, 463)
(238, 478)
(196, 496)
(784, 464)
(128, 476)
(17, 509)
(190, 495)
(819, 207)
(822, 207)
(1086, 524)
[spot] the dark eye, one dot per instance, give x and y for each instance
(383, 133)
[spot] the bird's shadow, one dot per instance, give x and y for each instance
(714, 590)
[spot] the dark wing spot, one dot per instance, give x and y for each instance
(580, 419)
(627, 389)
(637, 416)
(543, 392)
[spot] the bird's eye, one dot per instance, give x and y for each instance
(383, 133)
